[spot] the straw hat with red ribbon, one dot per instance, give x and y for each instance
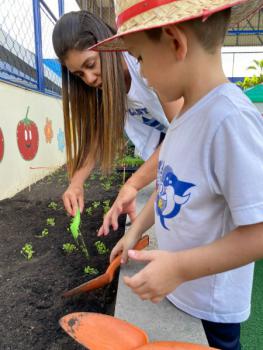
(137, 15)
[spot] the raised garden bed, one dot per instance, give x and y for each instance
(30, 290)
(129, 164)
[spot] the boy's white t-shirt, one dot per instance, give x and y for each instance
(145, 116)
(210, 180)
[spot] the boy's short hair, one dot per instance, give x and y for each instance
(210, 33)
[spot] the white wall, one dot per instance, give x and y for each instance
(16, 173)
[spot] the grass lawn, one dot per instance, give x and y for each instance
(252, 330)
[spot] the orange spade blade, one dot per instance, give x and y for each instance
(107, 277)
(102, 332)
(172, 345)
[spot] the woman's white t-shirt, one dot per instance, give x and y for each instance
(145, 116)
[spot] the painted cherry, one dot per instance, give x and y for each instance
(27, 137)
(2, 147)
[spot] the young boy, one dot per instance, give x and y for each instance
(208, 206)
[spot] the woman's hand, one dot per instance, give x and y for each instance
(124, 203)
(73, 198)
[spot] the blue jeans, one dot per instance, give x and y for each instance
(223, 336)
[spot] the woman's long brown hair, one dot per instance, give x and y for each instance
(93, 118)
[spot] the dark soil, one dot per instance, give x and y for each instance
(30, 290)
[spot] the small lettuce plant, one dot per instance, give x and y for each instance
(101, 247)
(51, 221)
(27, 251)
(69, 248)
(44, 233)
(91, 271)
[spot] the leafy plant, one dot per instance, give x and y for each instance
(44, 233)
(27, 251)
(106, 206)
(96, 204)
(106, 185)
(76, 234)
(51, 221)
(101, 247)
(132, 161)
(53, 205)
(256, 78)
(88, 270)
(89, 210)
(87, 185)
(69, 248)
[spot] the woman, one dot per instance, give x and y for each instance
(103, 94)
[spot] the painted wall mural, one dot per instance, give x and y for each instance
(61, 140)
(48, 131)
(2, 145)
(27, 138)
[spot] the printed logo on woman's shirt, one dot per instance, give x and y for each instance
(171, 193)
(142, 115)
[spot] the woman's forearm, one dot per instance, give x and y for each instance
(82, 174)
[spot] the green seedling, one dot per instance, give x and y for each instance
(101, 247)
(89, 211)
(106, 185)
(27, 251)
(87, 185)
(92, 177)
(88, 270)
(51, 221)
(106, 206)
(53, 205)
(96, 204)
(76, 234)
(44, 233)
(69, 248)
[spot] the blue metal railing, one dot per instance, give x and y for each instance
(26, 53)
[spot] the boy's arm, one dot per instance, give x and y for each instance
(142, 223)
(73, 197)
(125, 201)
(167, 270)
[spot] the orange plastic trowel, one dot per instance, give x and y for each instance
(173, 345)
(107, 277)
(102, 332)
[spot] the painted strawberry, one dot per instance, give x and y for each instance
(2, 147)
(27, 137)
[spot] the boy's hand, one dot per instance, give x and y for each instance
(124, 203)
(158, 278)
(127, 242)
(73, 198)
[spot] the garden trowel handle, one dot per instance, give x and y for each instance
(141, 244)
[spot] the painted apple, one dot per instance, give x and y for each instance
(2, 147)
(27, 138)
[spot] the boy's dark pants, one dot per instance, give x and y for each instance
(223, 336)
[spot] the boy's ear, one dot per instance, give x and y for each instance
(178, 40)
